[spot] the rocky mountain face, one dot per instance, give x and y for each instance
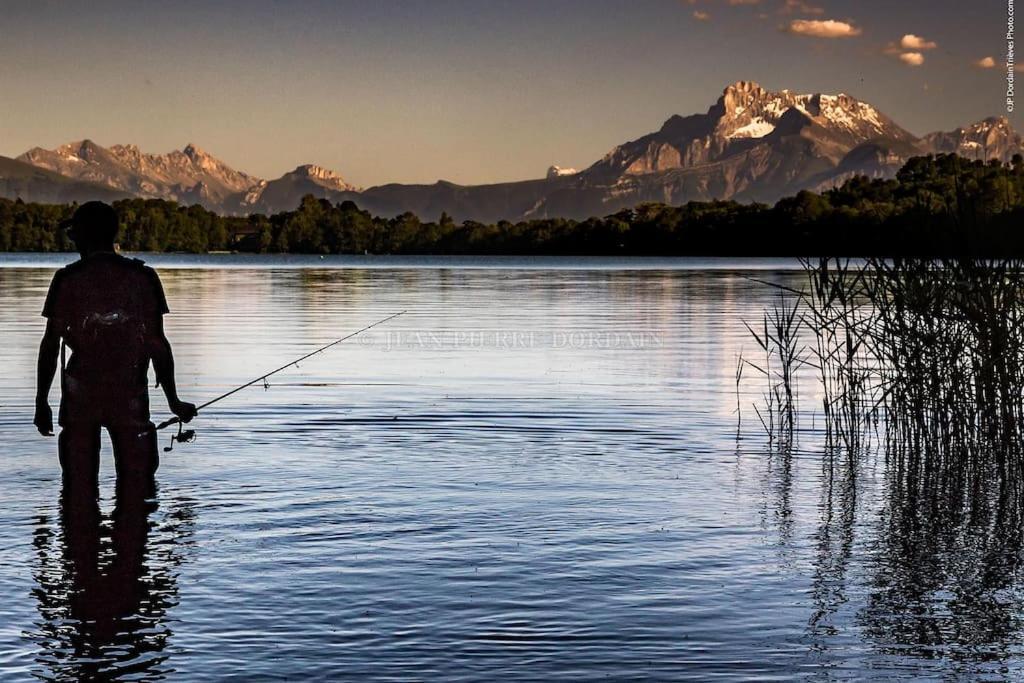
(753, 144)
(993, 138)
(745, 116)
(189, 175)
(289, 189)
(20, 179)
(558, 172)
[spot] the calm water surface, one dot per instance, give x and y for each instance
(533, 475)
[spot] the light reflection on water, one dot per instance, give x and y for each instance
(533, 475)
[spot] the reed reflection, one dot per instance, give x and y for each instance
(833, 544)
(921, 363)
(946, 576)
(105, 583)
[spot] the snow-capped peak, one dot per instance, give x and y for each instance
(322, 176)
(991, 138)
(745, 115)
(757, 128)
(847, 112)
(318, 172)
(558, 172)
(746, 110)
(83, 150)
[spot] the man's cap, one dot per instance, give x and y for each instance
(93, 219)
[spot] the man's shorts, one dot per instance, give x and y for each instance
(110, 404)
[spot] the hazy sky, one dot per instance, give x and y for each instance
(469, 91)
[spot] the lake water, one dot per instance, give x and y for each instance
(534, 474)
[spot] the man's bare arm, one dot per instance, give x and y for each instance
(46, 368)
(163, 365)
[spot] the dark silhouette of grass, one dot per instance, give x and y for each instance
(778, 338)
(923, 357)
(920, 363)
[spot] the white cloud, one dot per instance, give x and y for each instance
(700, 15)
(912, 42)
(985, 63)
(827, 28)
(910, 49)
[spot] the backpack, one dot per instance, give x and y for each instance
(108, 346)
(104, 306)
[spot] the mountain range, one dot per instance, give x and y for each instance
(751, 145)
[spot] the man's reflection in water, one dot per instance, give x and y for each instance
(105, 582)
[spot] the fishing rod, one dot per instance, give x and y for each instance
(186, 435)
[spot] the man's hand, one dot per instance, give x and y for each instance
(184, 411)
(44, 418)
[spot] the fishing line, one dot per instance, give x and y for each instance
(188, 435)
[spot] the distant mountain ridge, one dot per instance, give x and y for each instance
(322, 183)
(190, 175)
(992, 138)
(746, 115)
(753, 144)
(20, 179)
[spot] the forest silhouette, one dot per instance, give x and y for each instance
(935, 206)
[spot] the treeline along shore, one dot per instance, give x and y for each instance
(935, 206)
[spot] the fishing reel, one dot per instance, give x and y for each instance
(183, 436)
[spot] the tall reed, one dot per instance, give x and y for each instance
(923, 357)
(779, 340)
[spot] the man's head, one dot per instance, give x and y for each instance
(93, 227)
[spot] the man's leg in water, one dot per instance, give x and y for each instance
(78, 447)
(136, 459)
(79, 450)
(135, 492)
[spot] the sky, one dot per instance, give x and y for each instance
(467, 91)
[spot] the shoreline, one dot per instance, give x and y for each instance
(12, 260)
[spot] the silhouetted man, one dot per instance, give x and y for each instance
(108, 311)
